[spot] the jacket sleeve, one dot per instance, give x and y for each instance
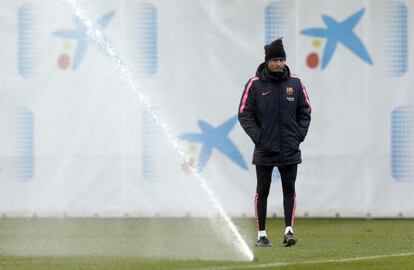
(248, 112)
(303, 113)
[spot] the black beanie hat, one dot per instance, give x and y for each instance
(275, 50)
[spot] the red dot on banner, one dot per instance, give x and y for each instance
(63, 61)
(312, 60)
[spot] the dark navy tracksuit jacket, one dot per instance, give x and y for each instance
(275, 113)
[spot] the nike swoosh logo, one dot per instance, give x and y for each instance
(265, 93)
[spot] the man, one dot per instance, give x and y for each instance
(275, 112)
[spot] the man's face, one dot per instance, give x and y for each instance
(276, 64)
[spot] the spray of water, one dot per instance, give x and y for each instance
(97, 36)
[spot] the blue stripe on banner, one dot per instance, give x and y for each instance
(154, 147)
(275, 20)
(25, 23)
(275, 174)
(24, 151)
(280, 21)
(146, 27)
(396, 31)
(402, 144)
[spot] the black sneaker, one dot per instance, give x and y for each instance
(263, 242)
(289, 239)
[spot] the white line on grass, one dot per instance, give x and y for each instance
(282, 264)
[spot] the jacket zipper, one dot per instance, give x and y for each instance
(280, 94)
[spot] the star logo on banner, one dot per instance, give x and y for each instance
(340, 32)
(216, 137)
(83, 36)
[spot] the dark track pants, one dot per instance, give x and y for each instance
(264, 179)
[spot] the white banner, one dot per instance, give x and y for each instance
(79, 129)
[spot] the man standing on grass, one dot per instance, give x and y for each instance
(275, 112)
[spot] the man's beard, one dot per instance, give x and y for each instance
(277, 70)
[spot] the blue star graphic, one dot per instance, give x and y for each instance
(80, 34)
(216, 137)
(340, 32)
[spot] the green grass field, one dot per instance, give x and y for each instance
(186, 243)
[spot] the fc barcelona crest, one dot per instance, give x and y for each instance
(289, 91)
